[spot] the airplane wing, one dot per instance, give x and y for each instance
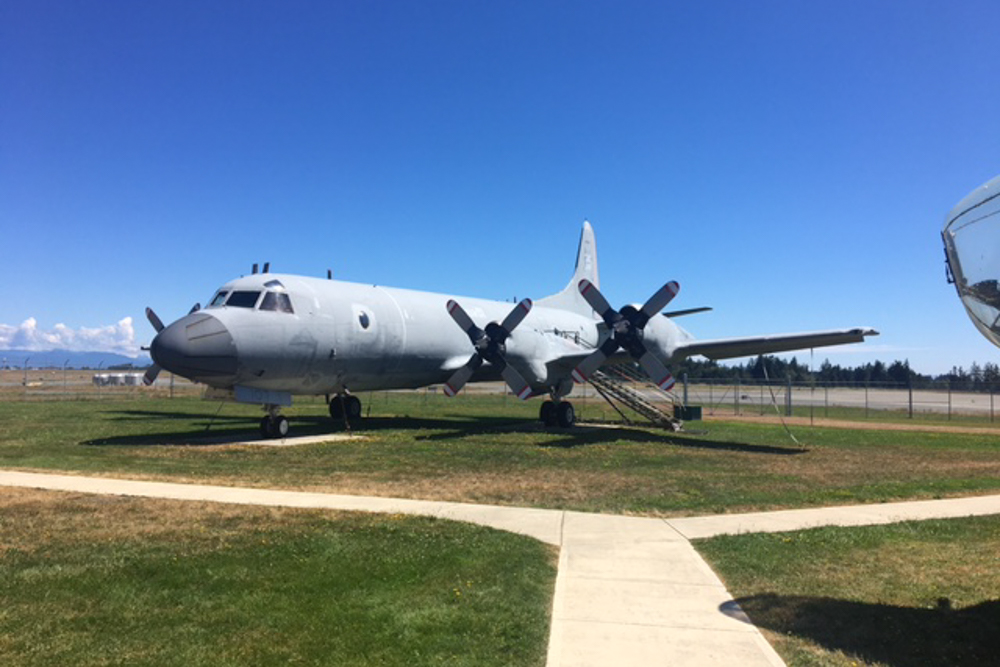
(728, 348)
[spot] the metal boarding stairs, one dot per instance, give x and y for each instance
(615, 383)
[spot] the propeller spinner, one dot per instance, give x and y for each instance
(626, 327)
(490, 346)
(149, 377)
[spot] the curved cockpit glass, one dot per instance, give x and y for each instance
(278, 301)
(219, 298)
(972, 249)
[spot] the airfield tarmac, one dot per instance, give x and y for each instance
(629, 590)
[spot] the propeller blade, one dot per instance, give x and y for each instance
(195, 308)
(516, 382)
(659, 301)
(154, 320)
(516, 316)
(656, 371)
(463, 320)
(593, 296)
(687, 311)
(590, 364)
(462, 375)
(150, 375)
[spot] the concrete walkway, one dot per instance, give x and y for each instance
(629, 591)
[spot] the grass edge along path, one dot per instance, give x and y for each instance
(902, 594)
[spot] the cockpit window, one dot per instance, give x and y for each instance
(278, 301)
(243, 299)
(219, 298)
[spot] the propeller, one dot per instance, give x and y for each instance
(150, 376)
(626, 327)
(490, 346)
(153, 371)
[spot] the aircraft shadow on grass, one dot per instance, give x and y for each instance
(883, 633)
(210, 429)
(584, 434)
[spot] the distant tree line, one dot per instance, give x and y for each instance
(983, 378)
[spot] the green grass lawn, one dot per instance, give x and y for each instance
(213, 578)
(489, 449)
(907, 594)
(93, 580)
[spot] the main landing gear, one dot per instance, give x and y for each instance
(345, 407)
(557, 412)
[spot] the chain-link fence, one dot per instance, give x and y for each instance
(857, 400)
(715, 397)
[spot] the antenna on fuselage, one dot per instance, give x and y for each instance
(254, 270)
(329, 274)
(267, 267)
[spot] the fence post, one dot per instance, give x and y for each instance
(788, 398)
(949, 400)
(866, 399)
(991, 404)
(711, 399)
(909, 386)
(685, 390)
(736, 399)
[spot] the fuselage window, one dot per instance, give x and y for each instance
(219, 298)
(242, 299)
(278, 301)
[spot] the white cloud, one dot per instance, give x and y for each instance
(118, 338)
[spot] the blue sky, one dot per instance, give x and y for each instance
(789, 163)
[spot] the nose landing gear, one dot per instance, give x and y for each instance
(274, 424)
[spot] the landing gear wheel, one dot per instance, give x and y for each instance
(274, 427)
(565, 414)
(345, 405)
(352, 406)
(337, 407)
(547, 413)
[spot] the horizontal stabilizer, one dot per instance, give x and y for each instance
(728, 348)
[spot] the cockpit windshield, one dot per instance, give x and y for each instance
(243, 299)
(275, 299)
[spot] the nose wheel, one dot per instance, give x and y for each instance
(274, 426)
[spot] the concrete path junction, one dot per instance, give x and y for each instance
(629, 591)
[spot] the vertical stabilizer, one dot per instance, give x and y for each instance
(586, 267)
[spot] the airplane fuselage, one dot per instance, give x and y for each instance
(342, 336)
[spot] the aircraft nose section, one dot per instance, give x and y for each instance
(199, 347)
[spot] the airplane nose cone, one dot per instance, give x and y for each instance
(199, 347)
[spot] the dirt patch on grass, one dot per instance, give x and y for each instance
(56, 516)
(856, 425)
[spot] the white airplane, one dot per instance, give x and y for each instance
(264, 337)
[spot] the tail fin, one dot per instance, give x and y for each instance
(586, 267)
